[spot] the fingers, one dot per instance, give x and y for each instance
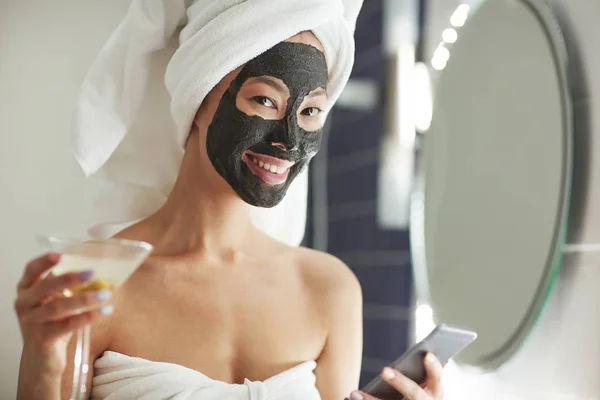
(358, 395)
(58, 328)
(45, 314)
(405, 386)
(56, 284)
(65, 307)
(32, 296)
(35, 269)
(433, 383)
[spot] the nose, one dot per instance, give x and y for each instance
(290, 139)
(283, 135)
(279, 145)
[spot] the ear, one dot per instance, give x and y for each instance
(198, 116)
(207, 109)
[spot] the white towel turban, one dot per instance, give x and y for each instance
(124, 133)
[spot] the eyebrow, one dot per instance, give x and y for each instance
(279, 86)
(316, 93)
(273, 83)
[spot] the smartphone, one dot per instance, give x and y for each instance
(444, 342)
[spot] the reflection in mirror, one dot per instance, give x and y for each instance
(489, 215)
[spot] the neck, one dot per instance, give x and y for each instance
(202, 214)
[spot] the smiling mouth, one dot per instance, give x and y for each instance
(271, 170)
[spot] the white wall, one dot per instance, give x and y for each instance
(561, 360)
(45, 50)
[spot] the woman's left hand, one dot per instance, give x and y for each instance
(430, 390)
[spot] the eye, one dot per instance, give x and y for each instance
(311, 111)
(264, 101)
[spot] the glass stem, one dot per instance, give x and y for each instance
(81, 364)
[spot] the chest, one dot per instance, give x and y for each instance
(229, 324)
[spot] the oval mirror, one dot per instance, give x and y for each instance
(490, 212)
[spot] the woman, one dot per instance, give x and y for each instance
(219, 298)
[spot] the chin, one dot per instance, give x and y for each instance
(255, 192)
(263, 200)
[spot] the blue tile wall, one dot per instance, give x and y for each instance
(379, 258)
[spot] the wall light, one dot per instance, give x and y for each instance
(423, 97)
(449, 35)
(459, 16)
(441, 55)
(438, 63)
(424, 321)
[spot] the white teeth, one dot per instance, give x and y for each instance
(269, 167)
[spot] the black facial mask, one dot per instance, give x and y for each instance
(302, 68)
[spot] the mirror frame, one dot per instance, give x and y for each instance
(555, 35)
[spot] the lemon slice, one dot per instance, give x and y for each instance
(94, 285)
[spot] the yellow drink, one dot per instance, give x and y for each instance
(109, 273)
(94, 285)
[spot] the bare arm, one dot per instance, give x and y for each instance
(338, 366)
(50, 383)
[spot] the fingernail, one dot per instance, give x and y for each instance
(86, 275)
(54, 257)
(356, 396)
(107, 310)
(103, 294)
(388, 373)
(430, 359)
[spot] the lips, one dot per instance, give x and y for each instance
(272, 170)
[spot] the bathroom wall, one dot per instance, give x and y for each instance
(377, 255)
(45, 50)
(561, 359)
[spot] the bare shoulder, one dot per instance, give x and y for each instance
(328, 277)
(336, 296)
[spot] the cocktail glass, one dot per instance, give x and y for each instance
(113, 261)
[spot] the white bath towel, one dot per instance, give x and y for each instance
(121, 377)
(124, 132)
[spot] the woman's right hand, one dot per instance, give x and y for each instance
(48, 319)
